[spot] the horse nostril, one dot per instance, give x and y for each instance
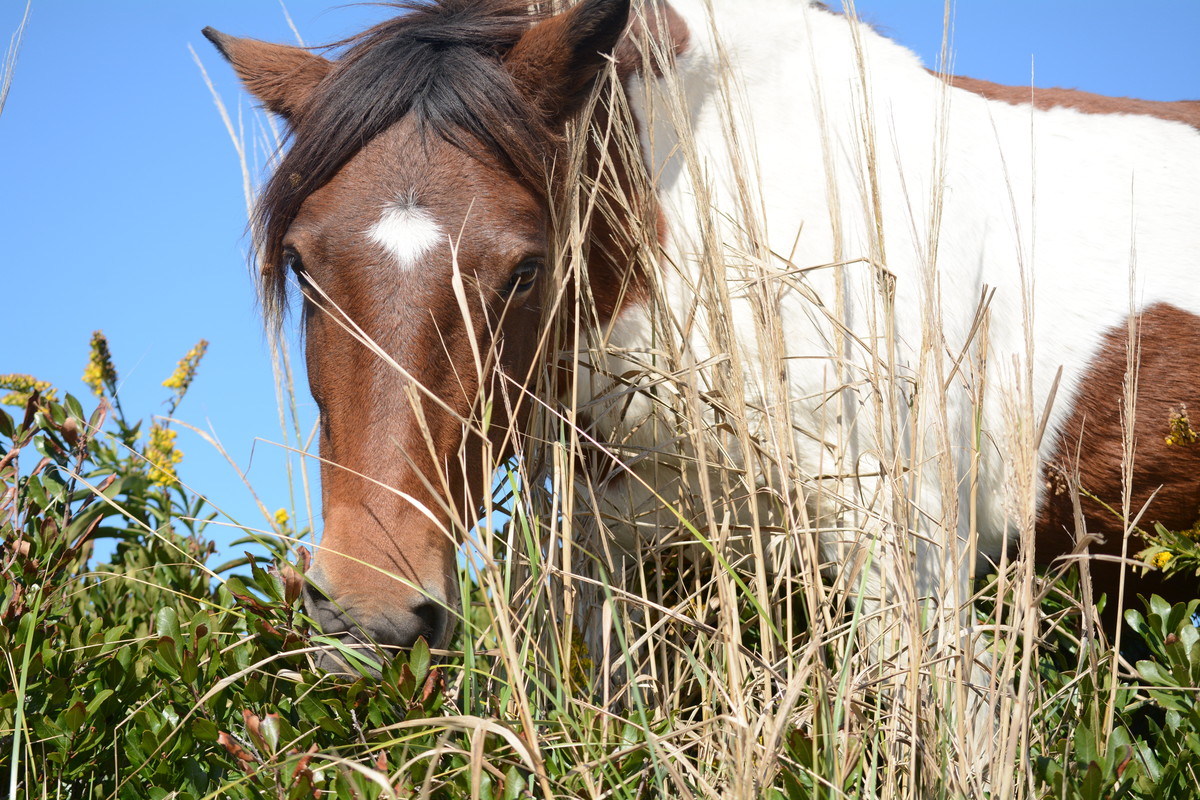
(432, 620)
(425, 619)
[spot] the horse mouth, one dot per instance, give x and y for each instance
(356, 643)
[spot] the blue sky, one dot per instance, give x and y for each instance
(121, 203)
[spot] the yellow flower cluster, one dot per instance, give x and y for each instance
(100, 371)
(162, 455)
(282, 518)
(20, 386)
(1160, 560)
(1180, 431)
(185, 372)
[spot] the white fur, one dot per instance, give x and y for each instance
(408, 232)
(1056, 201)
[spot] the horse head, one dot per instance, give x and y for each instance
(413, 210)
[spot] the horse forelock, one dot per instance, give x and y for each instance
(439, 63)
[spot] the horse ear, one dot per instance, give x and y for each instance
(282, 77)
(554, 63)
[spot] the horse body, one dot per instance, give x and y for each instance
(831, 218)
(1076, 221)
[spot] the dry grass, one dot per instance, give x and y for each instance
(719, 643)
(10, 57)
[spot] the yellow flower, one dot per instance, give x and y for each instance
(162, 455)
(1161, 559)
(100, 371)
(1180, 428)
(21, 386)
(282, 518)
(185, 372)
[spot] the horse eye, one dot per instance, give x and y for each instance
(293, 263)
(522, 278)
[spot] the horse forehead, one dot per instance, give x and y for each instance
(408, 232)
(417, 198)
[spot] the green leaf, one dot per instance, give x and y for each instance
(514, 784)
(1160, 607)
(485, 786)
(1148, 761)
(73, 406)
(98, 700)
(115, 488)
(1093, 783)
(167, 623)
(57, 414)
(166, 657)
(148, 741)
(189, 670)
(264, 581)
(75, 716)
(1152, 672)
(270, 731)
(328, 723)
(125, 657)
(25, 627)
(1188, 632)
(1174, 617)
(112, 639)
(419, 659)
(205, 730)
(361, 660)
(36, 493)
(407, 683)
(199, 627)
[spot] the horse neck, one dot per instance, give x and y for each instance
(802, 49)
(625, 225)
(771, 54)
(626, 228)
(792, 81)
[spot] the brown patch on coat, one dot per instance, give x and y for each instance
(1185, 111)
(1166, 477)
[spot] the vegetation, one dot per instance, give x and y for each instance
(158, 675)
(689, 669)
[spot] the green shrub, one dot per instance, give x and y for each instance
(154, 674)
(150, 675)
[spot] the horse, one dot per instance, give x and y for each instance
(983, 313)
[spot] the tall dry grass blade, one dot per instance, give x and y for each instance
(10, 56)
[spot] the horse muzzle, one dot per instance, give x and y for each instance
(378, 632)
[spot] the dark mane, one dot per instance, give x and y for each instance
(437, 62)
